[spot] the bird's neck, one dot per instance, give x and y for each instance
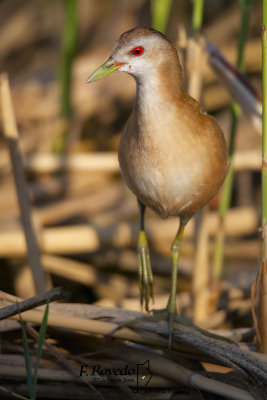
(161, 85)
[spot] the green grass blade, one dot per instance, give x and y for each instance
(67, 54)
(25, 344)
(40, 344)
(160, 10)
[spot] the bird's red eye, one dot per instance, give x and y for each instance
(138, 51)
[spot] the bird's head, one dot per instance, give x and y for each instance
(138, 51)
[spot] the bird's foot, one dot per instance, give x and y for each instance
(167, 314)
(145, 272)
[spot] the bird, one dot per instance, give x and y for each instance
(172, 153)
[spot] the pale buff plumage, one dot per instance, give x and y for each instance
(172, 154)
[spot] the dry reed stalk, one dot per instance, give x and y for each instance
(117, 315)
(16, 358)
(195, 56)
(11, 135)
(84, 238)
(170, 370)
(194, 62)
(43, 373)
(133, 304)
(108, 162)
(92, 326)
(52, 188)
(247, 160)
(89, 204)
(201, 275)
(70, 269)
(23, 282)
(75, 239)
(178, 373)
(71, 183)
(246, 249)
(74, 185)
(174, 371)
(91, 162)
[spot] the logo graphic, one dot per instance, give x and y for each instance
(100, 374)
(143, 375)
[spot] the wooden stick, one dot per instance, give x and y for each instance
(51, 295)
(11, 135)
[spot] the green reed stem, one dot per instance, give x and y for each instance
(197, 15)
(68, 49)
(160, 11)
(227, 189)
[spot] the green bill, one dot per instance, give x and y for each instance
(105, 69)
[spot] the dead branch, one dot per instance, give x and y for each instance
(51, 295)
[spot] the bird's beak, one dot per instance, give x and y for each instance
(105, 69)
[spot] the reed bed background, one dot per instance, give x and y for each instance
(67, 219)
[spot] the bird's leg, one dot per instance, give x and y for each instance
(146, 281)
(144, 267)
(175, 252)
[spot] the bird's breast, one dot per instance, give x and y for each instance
(172, 168)
(155, 171)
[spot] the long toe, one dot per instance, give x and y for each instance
(157, 316)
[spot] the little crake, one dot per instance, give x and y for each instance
(172, 154)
